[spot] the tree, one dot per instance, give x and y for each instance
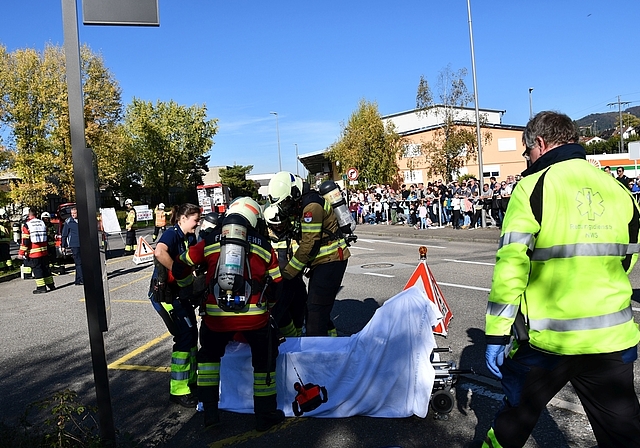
(368, 145)
(454, 143)
(236, 179)
(168, 145)
(34, 106)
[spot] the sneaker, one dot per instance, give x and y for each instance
(186, 401)
(267, 420)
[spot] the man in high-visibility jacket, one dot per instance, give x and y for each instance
(569, 240)
(322, 247)
(131, 244)
(35, 253)
(161, 220)
(5, 240)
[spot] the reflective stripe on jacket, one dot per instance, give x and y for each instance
(569, 274)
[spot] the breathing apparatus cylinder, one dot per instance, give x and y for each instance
(230, 288)
(330, 191)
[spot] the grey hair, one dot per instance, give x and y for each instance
(552, 127)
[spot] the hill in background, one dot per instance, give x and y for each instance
(606, 120)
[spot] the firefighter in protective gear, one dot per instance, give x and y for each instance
(160, 220)
(253, 321)
(5, 243)
(322, 248)
(51, 237)
(131, 244)
(569, 240)
(34, 251)
(289, 311)
(173, 300)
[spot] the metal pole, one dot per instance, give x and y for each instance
(475, 98)
(95, 282)
(278, 133)
(297, 172)
(530, 104)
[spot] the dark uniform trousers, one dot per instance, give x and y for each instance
(324, 285)
(603, 383)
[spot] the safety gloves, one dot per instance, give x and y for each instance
(494, 357)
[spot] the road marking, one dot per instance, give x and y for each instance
(469, 262)
(233, 440)
(360, 248)
(119, 364)
(477, 288)
(401, 244)
(126, 284)
(379, 275)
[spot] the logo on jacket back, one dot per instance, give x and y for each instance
(590, 203)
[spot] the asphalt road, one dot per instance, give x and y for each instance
(46, 349)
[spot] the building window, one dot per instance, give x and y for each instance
(411, 150)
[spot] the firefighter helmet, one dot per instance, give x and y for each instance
(128, 202)
(247, 207)
(45, 215)
(161, 206)
(285, 190)
(272, 215)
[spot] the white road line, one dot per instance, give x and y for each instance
(635, 309)
(401, 244)
(469, 262)
(360, 248)
(477, 288)
(378, 275)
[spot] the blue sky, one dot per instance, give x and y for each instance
(312, 62)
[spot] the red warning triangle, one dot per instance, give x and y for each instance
(423, 277)
(144, 252)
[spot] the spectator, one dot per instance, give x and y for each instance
(71, 241)
(624, 180)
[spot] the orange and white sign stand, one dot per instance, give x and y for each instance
(144, 252)
(423, 277)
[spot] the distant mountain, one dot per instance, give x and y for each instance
(606, 120)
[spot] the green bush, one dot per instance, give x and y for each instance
(58, 422)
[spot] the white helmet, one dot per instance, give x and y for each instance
(248, 208)
(272, 215)
(128, 202)
(45, 215)
(161, 206)
(285, 189)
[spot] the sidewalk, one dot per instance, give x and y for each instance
(481, 235)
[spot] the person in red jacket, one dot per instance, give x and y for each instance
(35, 252)
(242, 269)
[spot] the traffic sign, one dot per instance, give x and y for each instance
(352, 174)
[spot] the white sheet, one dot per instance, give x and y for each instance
(382, 371)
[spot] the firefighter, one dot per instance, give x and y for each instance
(174, 304)
(161, 220)
(242, 269)
(289, 311)
(322, 248)
(131, 244)
(33, 250)
(51, 237)
(5, 240)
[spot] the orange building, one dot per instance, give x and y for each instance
(501, 157)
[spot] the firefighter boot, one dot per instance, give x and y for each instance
(267, 413)
(40, 290)
(208, 391)
(211, 414)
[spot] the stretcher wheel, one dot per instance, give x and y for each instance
(442, 402)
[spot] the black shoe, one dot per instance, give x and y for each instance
(51, 287)
(40, 290)
(80, 283)
(211, 418)
(267, 420)
(186, 401)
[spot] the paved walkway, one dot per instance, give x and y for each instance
(485, 235)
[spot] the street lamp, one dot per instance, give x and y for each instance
(530, 104)
(475, 97)
(278, 133)
(297, 159)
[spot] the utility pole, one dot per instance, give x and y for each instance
(620, 104)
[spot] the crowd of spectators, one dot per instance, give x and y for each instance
(459, 204)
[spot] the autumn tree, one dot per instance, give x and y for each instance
(34, 107)
(454, 143)
(368, 145)
(235, 178)
(168, 145)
